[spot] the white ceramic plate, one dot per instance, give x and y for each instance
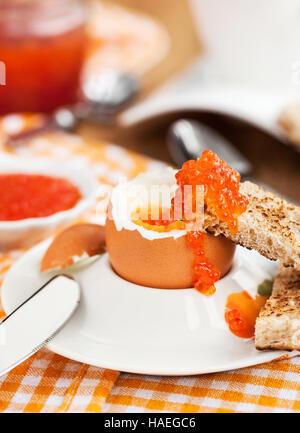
(126, 327)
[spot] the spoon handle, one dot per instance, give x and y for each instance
(187, 139)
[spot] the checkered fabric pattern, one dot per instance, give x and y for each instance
(47, 382)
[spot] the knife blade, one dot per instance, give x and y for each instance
(37, 320)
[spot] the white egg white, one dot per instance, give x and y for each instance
(135, 194)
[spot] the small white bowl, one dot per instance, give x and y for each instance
(26, 232)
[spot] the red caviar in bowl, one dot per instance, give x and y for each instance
(33, 196)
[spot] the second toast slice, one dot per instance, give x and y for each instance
(270, 226)
(278, 325)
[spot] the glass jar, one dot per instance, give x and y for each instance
(42, 46)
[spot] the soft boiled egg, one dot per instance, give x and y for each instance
(146, 256)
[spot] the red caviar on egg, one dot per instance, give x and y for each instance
(221, 194)
(221, 186)
(205, 273)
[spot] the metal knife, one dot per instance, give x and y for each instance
(37, 320)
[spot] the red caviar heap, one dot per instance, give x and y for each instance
(221, 195)
(34, 196)
(221, 186)
(205, 274)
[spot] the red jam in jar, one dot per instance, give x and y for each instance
(33, 196)
(42, 46)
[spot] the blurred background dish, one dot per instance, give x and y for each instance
(123, 39)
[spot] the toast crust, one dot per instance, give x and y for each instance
(278, 325)
(270, 225)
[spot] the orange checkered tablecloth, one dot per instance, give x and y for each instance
(50, 383)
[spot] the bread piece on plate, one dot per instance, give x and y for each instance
(289, 121)
(278, 325)
(270, 226)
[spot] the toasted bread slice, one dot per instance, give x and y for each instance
(289, 121)
(270, 225)
(278, 325)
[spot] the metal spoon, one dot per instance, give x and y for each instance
(104, 95)
(187, 139)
